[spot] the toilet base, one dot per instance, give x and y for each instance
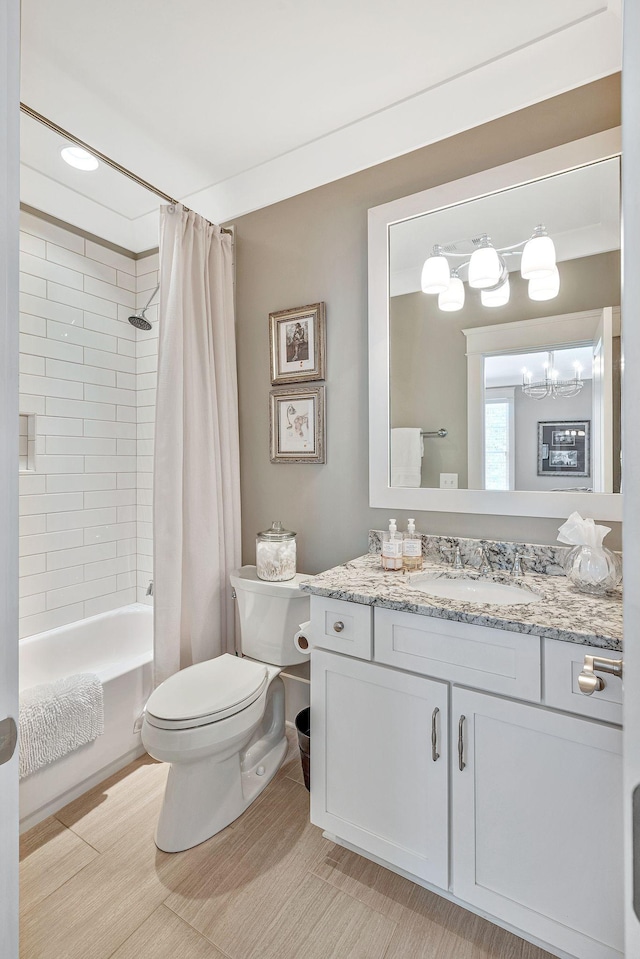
(201, 798)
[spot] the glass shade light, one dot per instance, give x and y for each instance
(435, 273)
(485, 268)
(545, 287)
(538, 256)
(79, 158)
(452, 298)
(496, 297)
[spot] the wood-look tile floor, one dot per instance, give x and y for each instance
(94, 886)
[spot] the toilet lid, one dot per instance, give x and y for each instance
(208, 691)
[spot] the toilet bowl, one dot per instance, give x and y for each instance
(221, 723)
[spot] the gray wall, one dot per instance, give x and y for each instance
(527, 414)
(314, 247)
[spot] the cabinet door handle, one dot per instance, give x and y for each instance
(338, 627)
(461, 762)
(435, 755)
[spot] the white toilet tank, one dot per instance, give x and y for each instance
(270, 614)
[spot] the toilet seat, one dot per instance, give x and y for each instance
(206, 693)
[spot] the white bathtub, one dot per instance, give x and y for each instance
(118, 647)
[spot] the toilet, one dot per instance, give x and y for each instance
(221, 723)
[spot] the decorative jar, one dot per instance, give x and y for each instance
(593, 569)
(276, 553)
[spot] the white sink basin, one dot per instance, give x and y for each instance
(474, 590)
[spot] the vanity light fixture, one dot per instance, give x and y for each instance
(538, 256)
(485, 266)
(435, 272)
(551, 385)
(488, 270)
(545, 287)
(79, 158)
(452, 298)
(496, 297)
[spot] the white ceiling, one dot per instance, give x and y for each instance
(232, 106)
(506, 369)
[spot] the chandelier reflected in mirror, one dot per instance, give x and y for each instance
(552, 385)
(488, 272)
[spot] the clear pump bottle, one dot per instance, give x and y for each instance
(412, 547)
(392, 547)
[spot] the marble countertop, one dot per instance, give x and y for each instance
(564, 613)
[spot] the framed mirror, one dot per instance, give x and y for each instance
(504, 397)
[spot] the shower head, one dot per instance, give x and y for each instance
(139, 322)
(138, 319)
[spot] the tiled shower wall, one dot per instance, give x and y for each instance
(84, 518)
(146, 375)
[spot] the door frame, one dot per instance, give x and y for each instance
(9, 227)
(631, 460)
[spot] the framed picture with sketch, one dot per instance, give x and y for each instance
(297, 425)
(297, 344)
(564, 448)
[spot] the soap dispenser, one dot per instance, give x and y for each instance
(412, 547)
(392, 547)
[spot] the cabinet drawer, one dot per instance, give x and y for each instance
(562, 664)
(495, 660)
(342, 627)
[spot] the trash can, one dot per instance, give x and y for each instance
(303, 727)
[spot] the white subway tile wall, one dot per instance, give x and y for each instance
(146, 377)
(85, 512)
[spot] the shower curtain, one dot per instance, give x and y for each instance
(196, 507)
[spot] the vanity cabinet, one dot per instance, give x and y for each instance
(413, 767)
(536, 822)
(379, 762)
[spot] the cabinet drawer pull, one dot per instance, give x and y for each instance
(338, 627)
(435, 755)
(461, 762)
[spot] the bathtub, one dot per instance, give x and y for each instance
(118, 647)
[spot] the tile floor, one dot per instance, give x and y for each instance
(94, 886)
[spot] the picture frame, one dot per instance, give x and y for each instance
(297, 425)
(564, 448)
(297, 344)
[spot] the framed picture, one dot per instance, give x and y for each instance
(564, 448)
(297, 425)
(297, 344)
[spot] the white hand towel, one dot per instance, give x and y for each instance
(407, 448)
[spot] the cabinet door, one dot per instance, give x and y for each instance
(536, 822)
(376, 779)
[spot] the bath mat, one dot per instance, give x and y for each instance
(58, 717)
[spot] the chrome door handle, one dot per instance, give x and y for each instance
(588, 682)
(8, 739)
(338, 627)
(435, 755)
(461, 762)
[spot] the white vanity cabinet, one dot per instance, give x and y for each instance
(536, 822)
(379, 762)
(444, 749)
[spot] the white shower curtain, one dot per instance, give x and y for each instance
(196, 507)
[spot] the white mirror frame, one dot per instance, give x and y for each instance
(604, 506)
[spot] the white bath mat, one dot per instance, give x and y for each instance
(56, 718)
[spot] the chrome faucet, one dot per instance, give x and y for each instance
(485, 567)
(517, 570)
(150, 588)
(457, 561)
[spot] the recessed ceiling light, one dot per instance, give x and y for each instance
(79, 158)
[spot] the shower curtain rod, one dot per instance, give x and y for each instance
(101, 156)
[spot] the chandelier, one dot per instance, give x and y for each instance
(488, 272)
(551, 385)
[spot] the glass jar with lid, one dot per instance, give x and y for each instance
(276, 553)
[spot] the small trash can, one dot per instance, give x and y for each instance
(303, 727)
